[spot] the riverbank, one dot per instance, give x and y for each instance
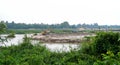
(90, 53)
(61, 38)
(52, 46)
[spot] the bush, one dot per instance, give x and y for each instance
(105, 41)
(11, 35)
(108, 59)
(28, 54)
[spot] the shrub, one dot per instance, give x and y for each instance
(11, 35)
(108, 59)
(105, 41)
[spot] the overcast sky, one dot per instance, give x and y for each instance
(56, 11)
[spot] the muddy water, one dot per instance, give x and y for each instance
(52, 46)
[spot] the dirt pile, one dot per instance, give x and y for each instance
(60, 38)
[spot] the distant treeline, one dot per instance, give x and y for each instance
(64, 25)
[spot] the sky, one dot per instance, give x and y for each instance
(103, 12)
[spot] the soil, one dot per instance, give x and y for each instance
(61, 38)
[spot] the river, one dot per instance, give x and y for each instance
(52, 46)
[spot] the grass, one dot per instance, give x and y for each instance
(11, 35)
(24, 31)
(58, 31)
(28, 54)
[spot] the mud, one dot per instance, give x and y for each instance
(61, 38)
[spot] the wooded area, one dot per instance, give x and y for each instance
(64, 25)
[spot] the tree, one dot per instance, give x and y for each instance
(65, 24)
(2, 27)
(105, 41)
(2, 30)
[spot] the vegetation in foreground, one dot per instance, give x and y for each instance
(104, 49)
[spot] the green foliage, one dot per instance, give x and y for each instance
(11, 35)
(62, 25)
(108, 59)
(65, 25)
(24, 31)
(102, 43)
(29, 31)
(2, 27)
(14, 25)
(61, 31)
(105, 41)
(88, 38)
(28, 54)
(2, 30)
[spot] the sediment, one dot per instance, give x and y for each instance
(60, 38)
